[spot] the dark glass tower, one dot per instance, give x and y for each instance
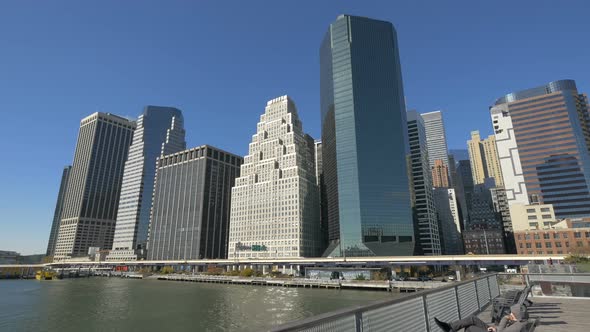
(364, 140)
(58, 208)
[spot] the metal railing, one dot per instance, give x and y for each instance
(414, 312)
(548, 284)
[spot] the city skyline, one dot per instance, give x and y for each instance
(39, 188)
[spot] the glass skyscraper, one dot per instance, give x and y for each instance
(364, 140)
(160, 131)
(58, 208)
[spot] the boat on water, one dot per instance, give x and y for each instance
(45, 275)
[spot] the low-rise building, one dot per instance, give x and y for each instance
(9, 257)
(484, 242)
(532, 216)
(566, 237)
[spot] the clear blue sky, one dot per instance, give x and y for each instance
(221, 61)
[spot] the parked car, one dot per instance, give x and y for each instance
(451, 277)
(424, 278)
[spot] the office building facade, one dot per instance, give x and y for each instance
(94, 187)
(447, 211)
(58, 209)
(362, 108)
(275, 203)
(483, 156)
(436, 138)
(551, 125)
(160, 131)
(426, 227)
(440, 174)
(191, 204)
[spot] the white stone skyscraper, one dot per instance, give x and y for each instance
(275, 201)
(160, 131)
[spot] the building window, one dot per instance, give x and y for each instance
(519, 237)
(532, 217)
(530, 210)
(587, 234)
(565, 235)
(545, 209)
(577, 235)
(567, 244)
(538, 245)
(527, 236)
(558, 244)
(520, 245)
(546, 236)
(546, 216)
(580, 244)
(556, 235)
(550, 252)
(536, 236)
(548, 245)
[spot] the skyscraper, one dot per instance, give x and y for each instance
(92, 197)
(483, 156)
(275, 208)
(551, 126)
(159, 132)
(440, 174)
(436, 137)
(57, 213)
(447, 211)
(425, 224)
(191, 205)
(364, 140)
(319, 173)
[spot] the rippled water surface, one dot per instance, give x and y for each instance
(113, 304)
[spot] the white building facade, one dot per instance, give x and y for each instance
(275, 201)
(512, 175)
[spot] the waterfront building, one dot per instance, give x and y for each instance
(159, 132)
(426, 227)
(532, 216)
(191, 204)
(94, 186)
(484, 242)
(569, 236)
(483, 156)
(364, 129)
(440, 174)
(65, 175)
(275, 209)
(9, 257)
(447, 211)
(551, 128)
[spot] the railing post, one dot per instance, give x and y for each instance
(425, 312)
(457, 299)
(476, 295)
(358, 321)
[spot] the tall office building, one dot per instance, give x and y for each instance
(363, 120)
(440, 174)
(57, 213)
(551, 126)
(459, 154)
(94, 186)
(447, 210)
(425, 224)
(191, 204)
(159, 132)
(436, 137)
(275, 208)
(464, 188)
(319, 174)
(509, 158)
(483, 156)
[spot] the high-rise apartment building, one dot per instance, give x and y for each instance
(191, 204)
(57, 213)
(275, 208)
(363, 120)
(94, 187)
(159, 132)
(483, 156)
(440, 174)
(447, 211)
(551, 127)
(426, 227)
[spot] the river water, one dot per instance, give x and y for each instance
(114, 304)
